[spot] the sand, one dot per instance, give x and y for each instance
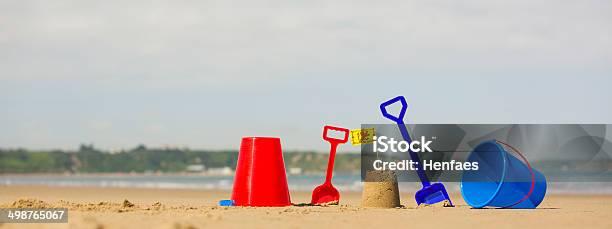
(169, 208)
(381, 190)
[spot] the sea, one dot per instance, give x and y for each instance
(344, 182)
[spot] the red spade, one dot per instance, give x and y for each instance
(326, 193)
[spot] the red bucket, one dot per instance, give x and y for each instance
(260, 179)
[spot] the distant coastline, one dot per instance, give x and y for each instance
(142, 160)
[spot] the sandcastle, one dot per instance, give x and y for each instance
(380, 190)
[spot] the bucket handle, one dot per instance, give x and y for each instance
(530, 171)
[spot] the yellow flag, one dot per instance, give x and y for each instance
(362, 136)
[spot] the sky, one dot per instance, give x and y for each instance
(203, 74)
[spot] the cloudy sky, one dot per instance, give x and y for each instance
(203, 74)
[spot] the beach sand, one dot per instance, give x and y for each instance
(175, 208)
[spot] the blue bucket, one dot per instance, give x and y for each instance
(501, 180)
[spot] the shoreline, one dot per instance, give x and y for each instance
(297, 183)
(161, 174)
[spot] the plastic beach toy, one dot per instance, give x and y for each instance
(502, 180)
(260, 178)
(226, 203)
(327, 193)
(431, 193)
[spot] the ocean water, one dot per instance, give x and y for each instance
(344, 182)
(298, 183)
